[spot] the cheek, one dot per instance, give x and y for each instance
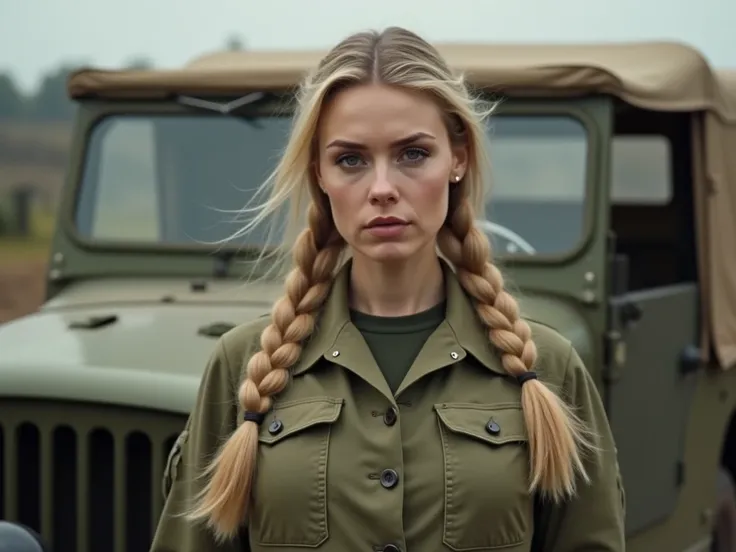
(429, 198)
(343, 197)
(345, 203)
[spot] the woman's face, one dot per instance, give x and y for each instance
(385, 162)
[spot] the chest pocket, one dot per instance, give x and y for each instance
(487, 501)
(290, 486)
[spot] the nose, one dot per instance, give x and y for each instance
(382, 189)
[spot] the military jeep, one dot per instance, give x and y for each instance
(612, 212)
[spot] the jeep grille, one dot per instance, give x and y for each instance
(87, 477)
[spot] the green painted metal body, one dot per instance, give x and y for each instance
(99, 381)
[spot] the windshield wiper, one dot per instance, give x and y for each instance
(226, 108)
(231, 107)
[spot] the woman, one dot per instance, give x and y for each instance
(396, 401)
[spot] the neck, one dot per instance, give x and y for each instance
(401, 289)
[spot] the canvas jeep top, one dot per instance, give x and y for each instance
(614, 190)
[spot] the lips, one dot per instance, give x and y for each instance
(387, 228)
(386, 221)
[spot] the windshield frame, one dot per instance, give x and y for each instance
(93, 113)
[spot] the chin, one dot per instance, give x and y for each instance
(389, 252)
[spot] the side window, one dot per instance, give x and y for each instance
(641, 170)
(126, 205)
(538, 188)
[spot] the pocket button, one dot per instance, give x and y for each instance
(275, 427)
(389, 479)
(493, 428)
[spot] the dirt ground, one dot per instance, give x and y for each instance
(35, 154)
(21, 288)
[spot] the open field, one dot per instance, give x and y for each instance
(35, 142)
(30, 154)
(23, 264)
(34, 154)
(21, 288)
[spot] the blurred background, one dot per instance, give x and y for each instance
(42, 40)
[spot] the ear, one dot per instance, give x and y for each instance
(459, 161)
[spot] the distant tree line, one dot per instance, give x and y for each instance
(50, 101)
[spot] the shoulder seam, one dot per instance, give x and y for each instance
(541, 323)
(226, 362)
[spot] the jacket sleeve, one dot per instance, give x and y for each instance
(593, 520)
(212, 420)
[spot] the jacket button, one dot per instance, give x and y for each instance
(389, 418)
(493, 428)
(389, 479)
(390, 548)
(275, 427)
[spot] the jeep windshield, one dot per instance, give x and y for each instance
(171, 180)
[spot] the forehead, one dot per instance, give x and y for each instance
(375, 112)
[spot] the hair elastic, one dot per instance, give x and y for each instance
(525, 377)
(256, 417)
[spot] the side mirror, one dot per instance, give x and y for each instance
(15, 537)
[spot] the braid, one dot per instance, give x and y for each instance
(555, 433)
(224, 500)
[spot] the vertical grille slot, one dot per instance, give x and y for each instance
(101, 504)
(140, 506)
(87, 477)
(64, 488)
(3, 489)
(28, 447)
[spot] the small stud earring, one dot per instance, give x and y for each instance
(457, 178)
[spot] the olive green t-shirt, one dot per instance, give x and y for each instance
(395, 341)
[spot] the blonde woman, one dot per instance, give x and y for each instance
(396, 401)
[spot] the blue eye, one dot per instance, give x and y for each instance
(415, 155)
(349, 160)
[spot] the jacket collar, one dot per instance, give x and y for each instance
(336, 339)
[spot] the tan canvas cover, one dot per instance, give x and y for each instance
(659, 76)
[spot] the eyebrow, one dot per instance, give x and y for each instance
(402, 142)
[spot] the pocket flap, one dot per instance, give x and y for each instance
(290, 417)
(492, 423)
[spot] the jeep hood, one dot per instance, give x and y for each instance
(151, 352)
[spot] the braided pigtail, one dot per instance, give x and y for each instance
(556, 435)
(224, 500)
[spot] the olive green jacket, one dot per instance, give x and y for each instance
(345, 466)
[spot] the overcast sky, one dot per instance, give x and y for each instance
(37, 35)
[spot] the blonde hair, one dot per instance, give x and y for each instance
(401, 58)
